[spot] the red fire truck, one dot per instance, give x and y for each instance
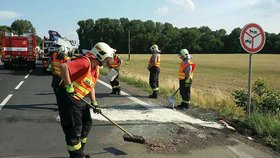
(18, 50)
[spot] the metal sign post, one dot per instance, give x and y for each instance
(252, 39)
(249, 85)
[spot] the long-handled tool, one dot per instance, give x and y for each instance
(172, 99)
(127, 136)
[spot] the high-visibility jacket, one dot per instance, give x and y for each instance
(181, 73)
(116, 62)
(57, 62)
(84, 84)
(157, 62)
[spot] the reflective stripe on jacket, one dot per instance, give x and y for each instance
(84, 84)
(157, 63)
(57, 62)
(181, 74)
(116, 63)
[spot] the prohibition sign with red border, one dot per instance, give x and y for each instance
(252, 38)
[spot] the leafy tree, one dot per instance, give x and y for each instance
(190, 39)
(232, 42)
(22, 26)
(86, 33)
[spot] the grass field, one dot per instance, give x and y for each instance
(222, 73)
(216, 75)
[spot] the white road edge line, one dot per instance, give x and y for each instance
(26, 76)
(21, 82)
(5, 101)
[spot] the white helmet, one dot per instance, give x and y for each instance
(154, 48)
(102, 51)
(185, 53)
(63, 50)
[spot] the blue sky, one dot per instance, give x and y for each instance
(63, 15)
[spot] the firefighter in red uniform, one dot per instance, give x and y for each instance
(116, 89)
(79, 78)
(185, 75)
(153, 67)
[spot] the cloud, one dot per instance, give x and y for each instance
(8, 14)
(162, 11)
(186, 4)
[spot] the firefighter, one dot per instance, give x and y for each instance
(58, 58)
(116, 89)
(153, 67)
(79, 78)
(185, 75)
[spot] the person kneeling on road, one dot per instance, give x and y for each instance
(185, 75)
(79, 78)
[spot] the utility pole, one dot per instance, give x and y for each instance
(128, 44)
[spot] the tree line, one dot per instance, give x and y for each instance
(143, 34)
(169, 38)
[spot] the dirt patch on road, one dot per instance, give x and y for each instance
(183, 140)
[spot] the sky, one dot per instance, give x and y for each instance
(63, 15)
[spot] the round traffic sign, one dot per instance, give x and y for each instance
(252, 38)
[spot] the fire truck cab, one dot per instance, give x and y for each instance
(18, 50)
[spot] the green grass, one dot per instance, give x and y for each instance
(266, 127)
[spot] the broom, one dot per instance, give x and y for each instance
(127, 136)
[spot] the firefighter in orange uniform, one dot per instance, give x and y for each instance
(153, 67)
(79, 79)
(185, 76)
(57, 59)
(116, 89)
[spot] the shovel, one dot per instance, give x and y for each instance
(172, 99)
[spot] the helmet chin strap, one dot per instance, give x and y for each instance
(99, 63)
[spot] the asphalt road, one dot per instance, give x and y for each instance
(29, 128)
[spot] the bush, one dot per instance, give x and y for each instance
(263, 100)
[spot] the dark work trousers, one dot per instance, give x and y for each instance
(154, 77)
(55, 84)
(185, 90)
(115, 83)
(75, 121)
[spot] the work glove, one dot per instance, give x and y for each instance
(70, 89)
(49, 67)
(95, 107)
(188, 82)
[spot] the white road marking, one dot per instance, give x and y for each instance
(21, 82)
(30, 70)
(154, 113)
(10, 95)
(5, 101)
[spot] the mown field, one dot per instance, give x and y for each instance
(215, 73)
(216, 76)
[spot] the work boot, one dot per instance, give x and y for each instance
(183, 105)
(118, 91)
(154, 95)
(113, 91)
